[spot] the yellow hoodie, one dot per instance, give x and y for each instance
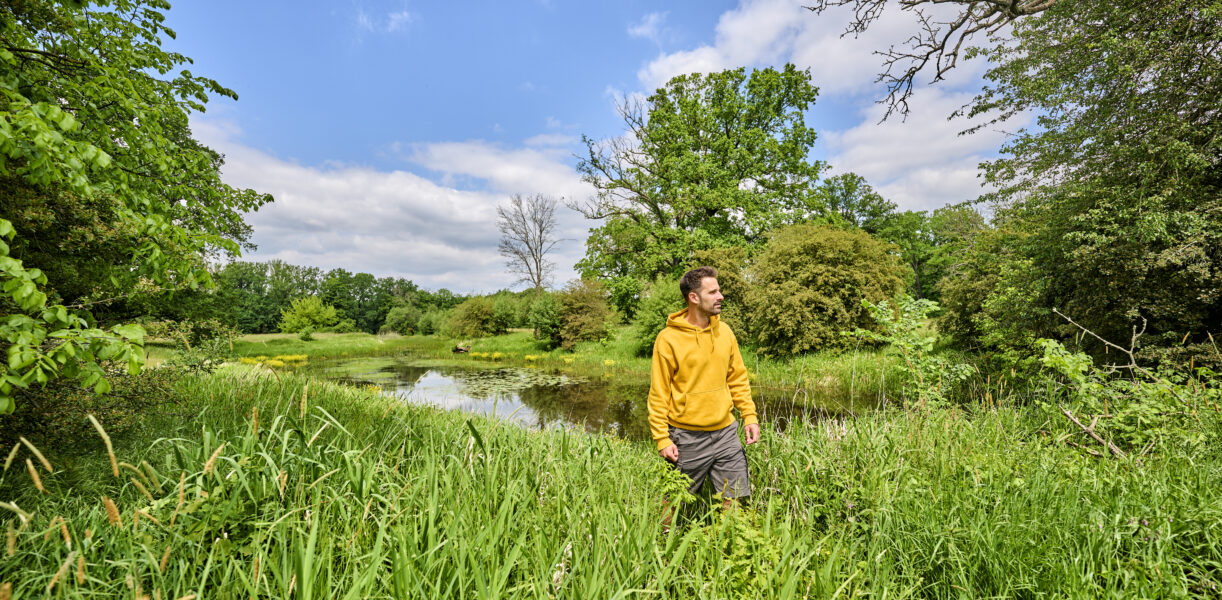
(697, 374)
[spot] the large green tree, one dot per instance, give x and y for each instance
(94, 125)
(707, 161)
(1110, 204)
(1120, 182)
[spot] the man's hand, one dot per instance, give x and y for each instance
(670, 453)
(753, 433)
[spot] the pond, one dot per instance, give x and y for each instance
(612, 403)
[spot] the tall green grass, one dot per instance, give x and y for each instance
(340, 493)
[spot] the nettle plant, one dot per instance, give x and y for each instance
(1132, 407)
(904, 330)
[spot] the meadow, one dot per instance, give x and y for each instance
(252, 482)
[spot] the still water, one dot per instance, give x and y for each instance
(600, 402)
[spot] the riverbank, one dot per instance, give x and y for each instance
(823, 379)
(271, 484)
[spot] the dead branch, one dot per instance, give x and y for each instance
(937, 43)
(1091, 432)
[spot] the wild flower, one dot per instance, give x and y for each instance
(608, 363)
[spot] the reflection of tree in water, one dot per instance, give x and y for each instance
(616, 406)
(408, 376)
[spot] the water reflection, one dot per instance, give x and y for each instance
(540, 398)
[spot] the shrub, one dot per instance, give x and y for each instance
(931, 377)
(584, 313)
(504, 313)
(343, 326)
(307, 311)
(404, 320)
(626, 294)
(545, 318)
(432, 321)
(660, 299)
(808, 283)
(475, 317)
(306, 334)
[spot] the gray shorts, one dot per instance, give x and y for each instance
(716, 455)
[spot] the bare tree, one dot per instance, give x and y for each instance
(937, 41)
(528, 233)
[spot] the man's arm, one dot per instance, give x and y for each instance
(660, 373)
(740, 392)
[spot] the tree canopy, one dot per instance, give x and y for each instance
(708, 161)
(94, 132)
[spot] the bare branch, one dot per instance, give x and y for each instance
(937, 45)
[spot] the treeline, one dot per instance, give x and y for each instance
(255, 297)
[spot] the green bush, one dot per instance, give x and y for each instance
(307, 311)
(584, 313)
(432, 321)
(343, 326)
(306, 334)
(404, 320)
(660, 299)
(505, 313)
(545, 318)
(475, 317)
(808, 283)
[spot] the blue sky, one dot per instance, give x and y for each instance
(389, 131)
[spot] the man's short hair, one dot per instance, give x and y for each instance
(694, 280)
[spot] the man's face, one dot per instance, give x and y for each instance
(708, 297)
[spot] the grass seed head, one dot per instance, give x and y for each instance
(63, 570)
(110, 449)
(29, 466)
(304, 393)
(46, 464)
(151, 473)
(10, 540)
(143, 490)
(112, 512)
(8, 462)
(208, 466)
(165, 559)
(80, 569)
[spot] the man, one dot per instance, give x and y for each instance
(697, 375)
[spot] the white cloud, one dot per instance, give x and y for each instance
(390, 22)
(550, 139)
(396, 223)
(651, 27)
(769, 32)
(398, 20)
(921, 163)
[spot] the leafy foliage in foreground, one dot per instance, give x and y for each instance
(94, 117)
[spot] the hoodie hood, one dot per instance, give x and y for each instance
(679, 321)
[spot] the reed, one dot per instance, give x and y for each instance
(396, 500)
